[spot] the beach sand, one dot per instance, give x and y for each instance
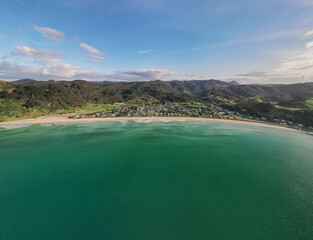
(62, 119)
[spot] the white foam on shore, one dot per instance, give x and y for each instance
(9, 127)
(46, 124)
(61, 124)
(166, 120)
(143, 121)
(123, 121)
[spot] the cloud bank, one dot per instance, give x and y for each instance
(42, 56)
(308, 34)
(151, 74)
(64, 71)
(298, 68)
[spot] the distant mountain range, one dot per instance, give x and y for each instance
(80, 92)
(168, 90)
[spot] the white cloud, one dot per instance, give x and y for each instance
(295, 69)
(21, 2)
(10, 70)
(91, 49)
(308, 34)
(134, 75)
(14, 71)
(64, 71)
(188, 77)
(42, 56)
(151, 74)
(144, 51)
(50, 33)
(51, 67)
(94, 58)
(309, 45)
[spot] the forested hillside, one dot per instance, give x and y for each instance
(28, 98)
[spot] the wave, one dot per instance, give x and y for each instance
(166, 120)
(143, 121)
(62, 124)
(47, 124)
(9, 127)
(123, 121)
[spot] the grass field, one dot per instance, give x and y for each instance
(287, 108)
(13, 110)
(97, 108)
(309, 103)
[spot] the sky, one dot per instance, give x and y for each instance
(249, 41)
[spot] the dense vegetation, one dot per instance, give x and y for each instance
(28, 98)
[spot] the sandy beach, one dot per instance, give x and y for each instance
(62, 119)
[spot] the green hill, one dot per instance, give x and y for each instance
(28, 97)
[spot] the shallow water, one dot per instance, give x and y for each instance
(155, 180)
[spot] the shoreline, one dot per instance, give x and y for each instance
(51, 120)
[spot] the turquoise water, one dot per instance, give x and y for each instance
(155, 180)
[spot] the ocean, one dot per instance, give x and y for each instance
(162, 180)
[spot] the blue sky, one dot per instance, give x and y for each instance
(135, 40)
